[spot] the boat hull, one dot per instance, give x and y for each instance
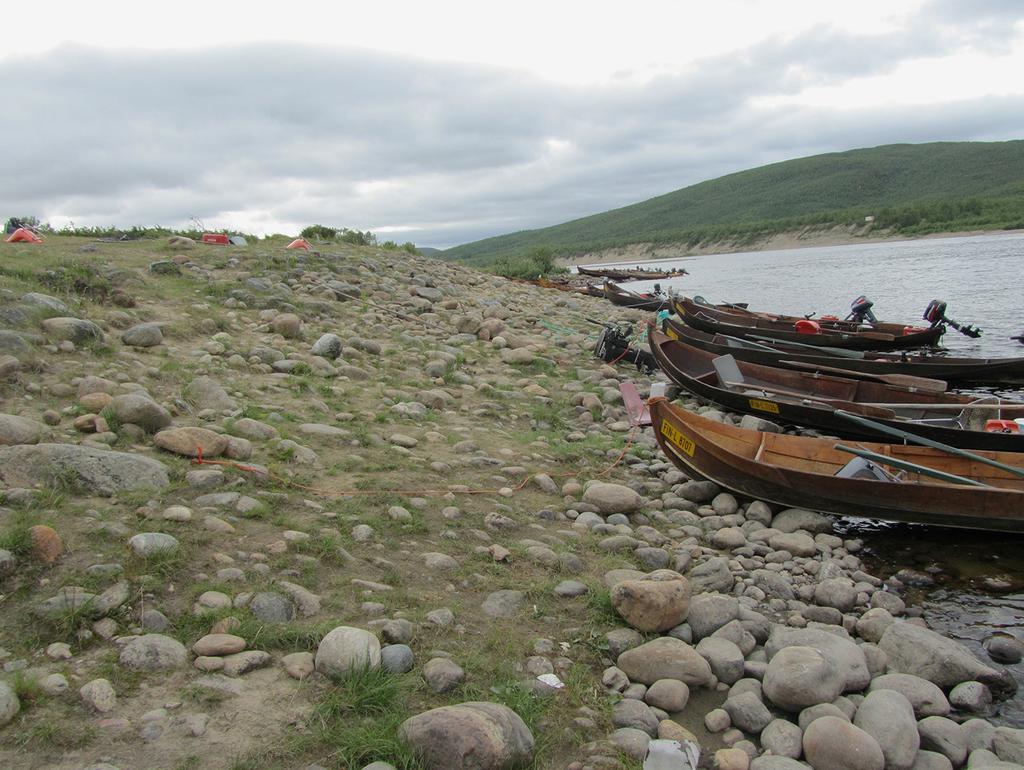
(697, 446)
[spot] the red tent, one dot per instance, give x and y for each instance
(23, 235)
(300, 243)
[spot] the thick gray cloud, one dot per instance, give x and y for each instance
(281, 135)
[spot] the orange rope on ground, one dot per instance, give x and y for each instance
(200, 460)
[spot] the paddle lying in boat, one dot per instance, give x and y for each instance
(696, 316)
(953, 369)
(812, 400)
(813, 473)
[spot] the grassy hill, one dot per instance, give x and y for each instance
(908, 188)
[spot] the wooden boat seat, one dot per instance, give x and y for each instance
(862, 468)
(639, 412)
(728, 371)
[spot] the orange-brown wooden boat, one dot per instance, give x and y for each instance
(812, 473)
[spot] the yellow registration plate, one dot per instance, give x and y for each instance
(676, 438)
(764, 406)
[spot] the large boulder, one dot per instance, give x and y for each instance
(139, 409)
(612, 498)
(144, 335)
(656, 603)
(469, 736)
(9, 704)
(665, 658)
(792, 519)
(346, 649)
(153, 652)
(15, 430)
(888, 717)
(206, 393)
(913, 649)
(76, 330)
(831, 743)
(798, 677)
(926, 698)
(190, 442)
(710, 611)
(844, 653)
(82, 469)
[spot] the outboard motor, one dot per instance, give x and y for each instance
(935, 314)
(613, 346)
(860, 311)
(1019, 338)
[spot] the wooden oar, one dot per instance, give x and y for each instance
(922, 470)
(817, 349)
(903, 380)
(921, 440)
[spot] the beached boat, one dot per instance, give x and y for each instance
(625, 298)
(891, 482)
(952, 369)
(743, 316)
(629, 274)
(755, 327)
(812, 399)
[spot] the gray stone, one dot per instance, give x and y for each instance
(831, 743)
(747, 712)
(469, 736)
(971, 696)
(99, 695)
(1008, 744)
(798, 677)
(153, 652)
(784, 738)
(669, 695)
(622, 639)
(925, 698)
(712, 575)
(665, 658)
(710, 611)
(243, 662)
(635, 714)
(139, 409)
(15, 430)
(144, 335)
(724, 657)
(944, 736)
(913, 649)
(345, 649)
(75, 330)
(657, 603)
(792, 519)
(846, 656)
(888, 717)
(272, 607)
(443, 674)
(503, 604)
(147, 544)
(9, 703)
(612, 498)
(329, 346)
(81, 469)
(396, 658)
(206, 393)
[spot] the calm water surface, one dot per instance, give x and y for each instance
(979, 577)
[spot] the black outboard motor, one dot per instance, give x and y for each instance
(613, 346)
(1019, 338)
(935, 314)
(860, 311)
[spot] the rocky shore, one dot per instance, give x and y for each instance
(364, 509)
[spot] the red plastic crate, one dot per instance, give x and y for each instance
(217, 238)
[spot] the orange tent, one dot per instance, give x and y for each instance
(300, 243)
(23, 235)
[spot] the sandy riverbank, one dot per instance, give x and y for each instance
(640, 253)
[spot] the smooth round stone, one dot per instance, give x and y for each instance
(219, 644)
(570, 589)
(397, 658)
(146, 544)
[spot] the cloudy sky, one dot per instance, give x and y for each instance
(447, 121)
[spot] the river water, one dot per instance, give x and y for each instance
(978, 577)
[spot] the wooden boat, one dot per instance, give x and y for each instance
(952, 369)
(738, 314)
(898, 485)
(624, 298)
(694, 315)
(629, 274)
(810, 399)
